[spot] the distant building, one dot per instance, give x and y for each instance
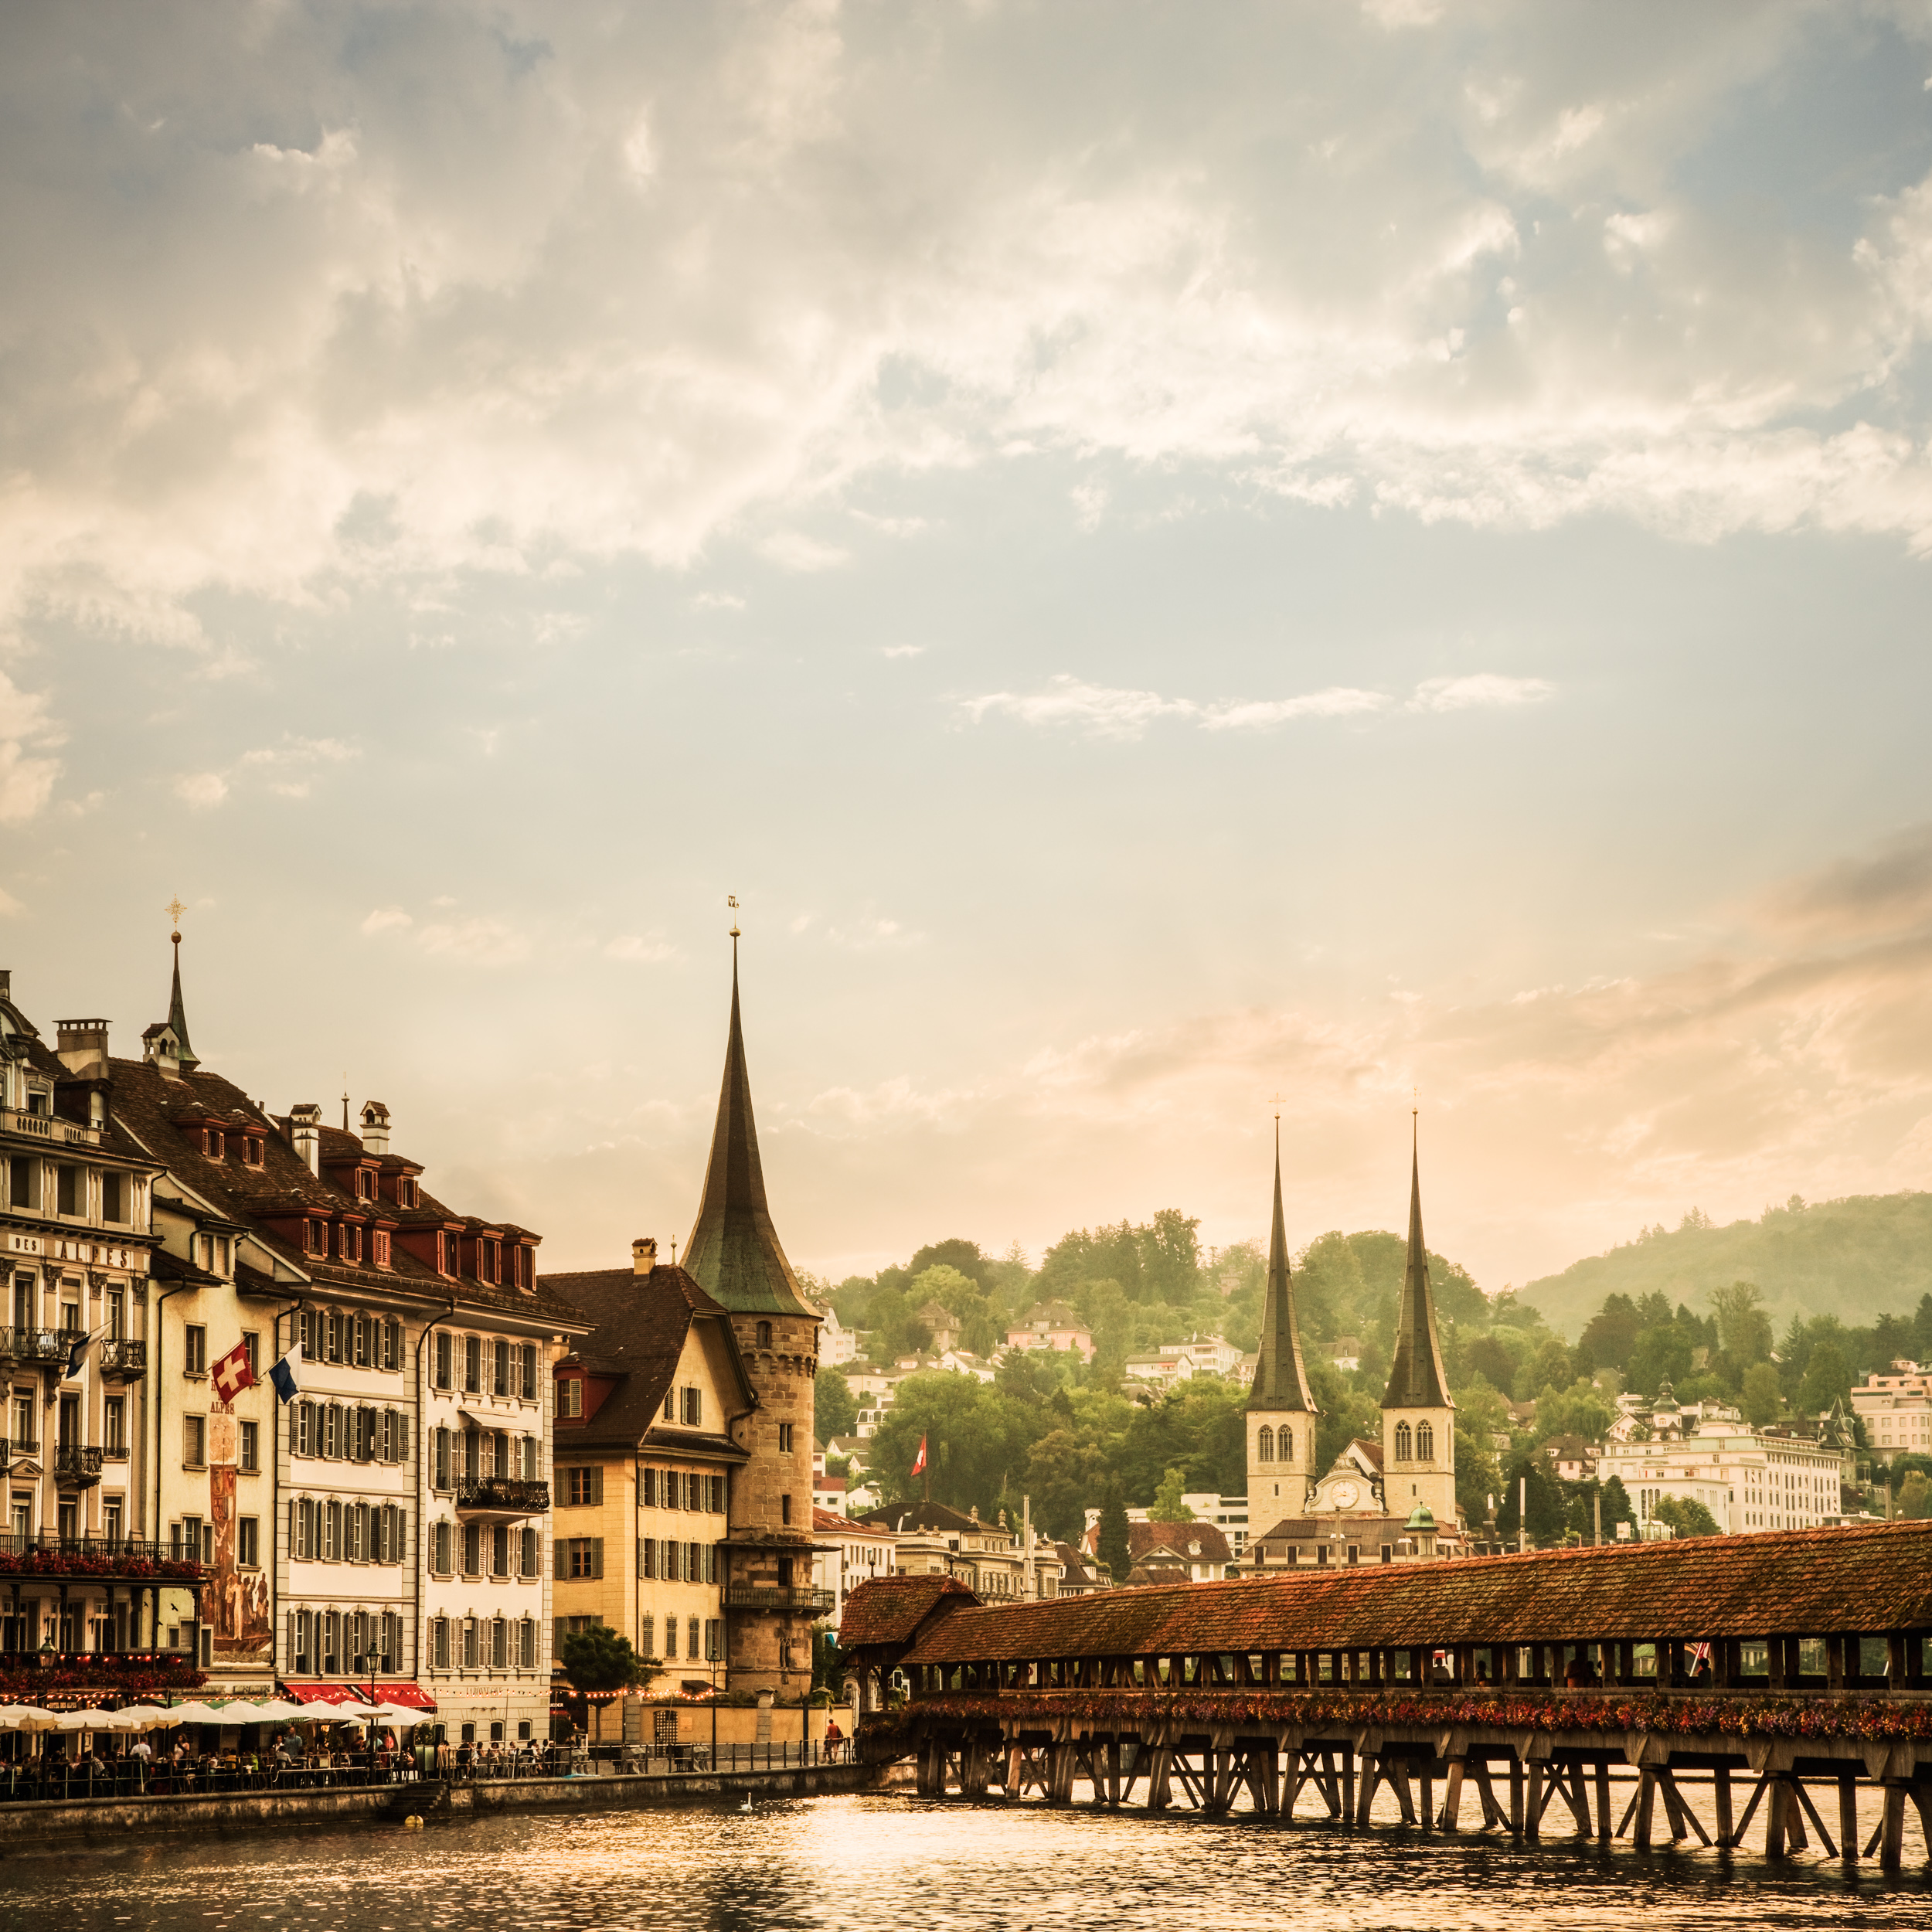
(1748, 1479)
(1570, 1458)
(989, 1558)
(1175, 1361)
(836, 1344)
(847, 1554)
(940, 1323)
(1051, 1325)
(1896, 1410)
(1195, 1552)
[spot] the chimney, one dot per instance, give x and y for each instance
(6, 982)
(374, 1128)
(305, 1133)
(82, 1045)
(644, 1254)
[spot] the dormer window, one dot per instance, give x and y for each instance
(213, 1143)
(251, 1150)
(406, 1194)
(352, 1241)
(365, 1184)
(381, 1255)
(315, 1237)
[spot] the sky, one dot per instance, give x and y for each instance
(1179, 562)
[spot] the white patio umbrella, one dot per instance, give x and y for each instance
(147, 1717)
(86, 1720)
(398, 1714)
(26, 1717)
(279, 1710)
(196, 1713)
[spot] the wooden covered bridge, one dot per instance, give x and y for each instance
(1781, 1672)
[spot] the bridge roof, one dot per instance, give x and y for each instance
(1871, 1579)
(889, 1609)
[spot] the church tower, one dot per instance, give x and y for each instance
(1418, 1418)
(734, 1255)
(1280, 1411)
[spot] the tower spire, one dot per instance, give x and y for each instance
(177, 1012)
(1280, 1381)
(1416, 1379)
(733, 1251)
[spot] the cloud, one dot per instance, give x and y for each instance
(638, 951)
(1102, 711)
(902, 650)
(386, 919)
(482, 942)
(202, 790)
(27, 774)
(1485, 688)
(717, 600)
(1888, 890)
(658, 289)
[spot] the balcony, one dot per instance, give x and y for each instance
(501, 1497)
(814, 1602)
(13, 1447)
(49, 1127)
(76, 1465)
(34, 1347)
(119, 1360)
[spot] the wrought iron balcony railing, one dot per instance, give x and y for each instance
(122, 1360)
(76, 1465)
(818, 1603)
(36, 1345)
(502, 1495)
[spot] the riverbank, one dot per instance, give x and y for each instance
(56, 1825)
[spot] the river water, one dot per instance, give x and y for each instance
(873, 1861)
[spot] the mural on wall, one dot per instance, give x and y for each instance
(236, 1601)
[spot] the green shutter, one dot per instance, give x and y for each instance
(597, 1555)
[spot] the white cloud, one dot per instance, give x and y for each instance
(1101, 711)
(717, 600)
(902, 650)
(654, 291)
(387, 919)
(636, 950)
(27, 774)
(482, 942)
(1485, 687)
(201, 790)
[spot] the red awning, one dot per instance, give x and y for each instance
(413, 1696)
(326, 1693)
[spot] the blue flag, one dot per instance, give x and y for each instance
(77, 1354)
(282, 1374)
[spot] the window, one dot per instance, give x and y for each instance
(113, 1197)
(441, 1369)
(583, 1487)
(570, 1393)
(647, 1637)
(472, 1657)
(472, 1549)
(378, 1246)
(1405, 1444)
(499, 1644)
(500, 1550)
(784, 1509)
(248, 1542)
(1286, 1441)
(764, 1334)
(693, 1408)
(670, 1638)
(66, 1188)
(1425, 1442)
(715, 1500)
(440, 1478)
(500, 1369)
(315, 1237)
(23, 1181)
(406, 1195)
(441, 1548)
(392, 1340)
(670, 1405)
(581, 1556)
(195, 1350)
(713, 1640)
(691, 1637)
(785, 1438)
(194, 1441)
(526, 1653)
(251, 1457)
(113, 1425)
(473, 1365)
(1264, 1445)
(526, 1371)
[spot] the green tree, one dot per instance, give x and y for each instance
(1547, 1367)
(1167, 1506)
(1115, 1550)
(975, 1436)
(1609, 1334)
(1577, 1411)
(1743, 1328)
(1662, 1354)
(1915, 1495)
(1617, 1505)
(1063, 1471)
(1685, 1517)
(1547, 1516)
(1763, 1397)
(1827, 1379)
(1347, 1411)
(598, 1659)
(834, 1411)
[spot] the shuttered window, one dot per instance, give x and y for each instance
(581, 1556)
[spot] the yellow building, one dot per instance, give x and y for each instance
(645, 1462)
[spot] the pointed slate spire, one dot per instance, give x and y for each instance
(1280, 1381)
(1416, 1379)
(733, 1252)
(177, 1017)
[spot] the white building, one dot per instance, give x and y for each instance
(1748, 1479)
(1896, 1410)
(846, 1554)
(837, 1346)
(1207, 1355)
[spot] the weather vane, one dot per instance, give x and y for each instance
(731, 900)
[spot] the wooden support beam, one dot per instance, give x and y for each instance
(1848, 1816)
(1533, 1814)
(1452, 1795)
(1493, 1815)
(1721, 1783)
(1371, 1776)
(1685, 1821)
(1348, 1780)
(1750, 1811)
(1515, 1796)
(1405, 1791)
(1160, 1778)
(1810, 1811)
(1427, 1809)
(1603, 1799)
(1646, 1801)
(1778, 1813)
(1892, 1828)
(1922, 1803)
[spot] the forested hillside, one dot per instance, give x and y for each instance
(1856, 1259)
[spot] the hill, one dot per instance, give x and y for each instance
(1866, 1256)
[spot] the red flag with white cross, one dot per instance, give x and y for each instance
(233, 1373)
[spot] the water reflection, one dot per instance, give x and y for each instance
(841, 1863)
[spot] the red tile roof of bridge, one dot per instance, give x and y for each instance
(889, 1609)
(1874, 1579)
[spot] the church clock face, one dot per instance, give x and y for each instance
(1345, 1496)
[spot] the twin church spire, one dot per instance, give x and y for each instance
(1280, 1381)
(1416, 1376)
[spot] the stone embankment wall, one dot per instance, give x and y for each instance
(58, 1824)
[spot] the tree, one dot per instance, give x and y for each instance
(1167, 1506)
(598, 1659)
(964, 1257)
(1578, 1410)
(834, 1411)
(1662, 1355)
(1827, 1379)
(1547, 1516)
(1610, 1334)
(1685, 1517)
(974, 1437)
(1743, 1328)
(1764, 1394)
(1617, 1505)
(1063, 1472)
(1115, 1549)
(1915, 1495)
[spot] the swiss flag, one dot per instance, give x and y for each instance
(919, 1462)
(232, 1374)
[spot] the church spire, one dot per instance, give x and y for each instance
(1416, 1379)
(1280, 1381)
(733, 1251)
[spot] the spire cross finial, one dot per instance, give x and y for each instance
(174, 909)
(731, 900)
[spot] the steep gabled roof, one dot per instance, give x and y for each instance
(892, 1609)
(1417, 1380)
(642, 1322)
(733, 1249)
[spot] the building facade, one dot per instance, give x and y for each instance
(849, 1554)
(1748, 1479)
(1896, 1410)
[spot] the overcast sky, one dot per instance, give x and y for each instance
(1167, 555)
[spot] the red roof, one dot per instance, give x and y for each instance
(892, 1609)
(1874, 1578)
